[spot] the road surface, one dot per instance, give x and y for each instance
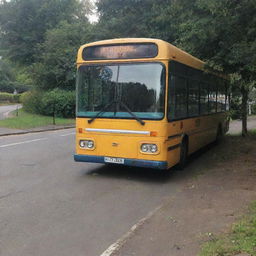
(50, 205)
(5, 110)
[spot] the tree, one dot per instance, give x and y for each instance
(131, 18)
(6, 77)
(223, 33)
(55, 66)
(24, 24)
(13, 77)
(142, 18)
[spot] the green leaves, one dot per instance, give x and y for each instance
(55, 65)
(24, 24)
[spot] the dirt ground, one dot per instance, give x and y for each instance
(218, 190)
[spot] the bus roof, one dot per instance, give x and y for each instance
(166, 51)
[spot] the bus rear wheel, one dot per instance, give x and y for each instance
(183, 154)
(219, 135)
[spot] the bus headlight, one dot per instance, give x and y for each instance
(86, 144)
(153, 148)
(149, 148)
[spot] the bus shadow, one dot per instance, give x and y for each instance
(131, 173)
(174, 174)
(203, 151)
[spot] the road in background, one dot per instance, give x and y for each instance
(236, 125)
(5, 110)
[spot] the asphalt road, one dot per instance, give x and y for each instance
(50, 205)
(5, 110)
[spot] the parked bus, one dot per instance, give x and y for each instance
(144, 102)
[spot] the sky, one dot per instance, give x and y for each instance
(94, 16)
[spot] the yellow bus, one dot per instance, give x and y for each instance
(144, 102)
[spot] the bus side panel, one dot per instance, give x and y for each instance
(173, 151)
(174, 135)
(201, 131)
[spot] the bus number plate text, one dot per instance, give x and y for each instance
(114, 160)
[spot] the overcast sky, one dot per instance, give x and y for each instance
(93, 17)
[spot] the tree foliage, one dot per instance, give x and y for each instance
(55, 66)
(224, 35)
(42, 37)
(24, 23)
(6, 77)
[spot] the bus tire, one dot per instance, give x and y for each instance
(219, 135)
(183, 154)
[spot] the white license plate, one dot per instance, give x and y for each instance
(114, 160)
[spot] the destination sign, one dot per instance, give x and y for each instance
(120, 51)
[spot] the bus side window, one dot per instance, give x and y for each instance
(204, 98)
(177, 98)
(227, 94)
(221, 96)
(193, 98)
(171, 98)
(212, 98)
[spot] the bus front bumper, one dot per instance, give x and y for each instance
(127, 161)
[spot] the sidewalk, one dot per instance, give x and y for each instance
(7, 131)
(212, 199)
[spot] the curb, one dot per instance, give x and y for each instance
(38, 131)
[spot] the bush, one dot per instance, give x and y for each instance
(9, 98)
(60, 102)
(16, 98)
(254, 109)
(32, 101)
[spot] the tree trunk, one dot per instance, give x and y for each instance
(53, 114)
(244, 92)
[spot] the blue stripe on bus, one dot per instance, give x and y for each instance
(127, 161)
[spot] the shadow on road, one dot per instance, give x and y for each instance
(132, 173)
(152, 175)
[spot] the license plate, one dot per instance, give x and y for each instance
(114, 160)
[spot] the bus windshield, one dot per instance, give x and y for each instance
(108, 90)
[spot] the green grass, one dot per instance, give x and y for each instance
(241, 239)
(252, 132)
(26, 120)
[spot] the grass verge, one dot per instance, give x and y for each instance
(26, 120)
(241, 239)
(252, 132)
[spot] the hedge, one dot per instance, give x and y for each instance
(9, 98)
(254, 109)
(61, 103)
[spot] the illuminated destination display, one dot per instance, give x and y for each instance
(120, 51)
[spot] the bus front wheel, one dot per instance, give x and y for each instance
(183, 154)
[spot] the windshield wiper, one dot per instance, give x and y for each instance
(131, 113)
(122, 104)
(102, 111)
